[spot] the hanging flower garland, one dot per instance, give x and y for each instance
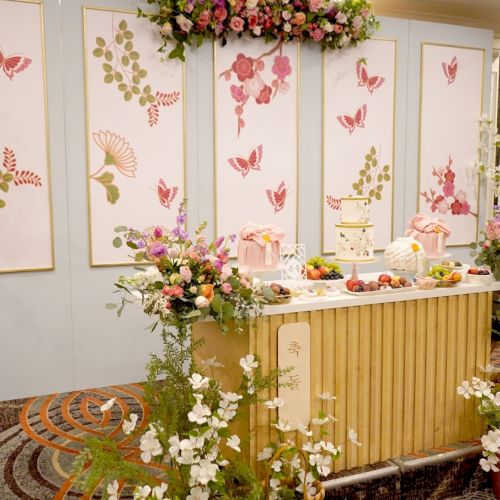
(334, 24)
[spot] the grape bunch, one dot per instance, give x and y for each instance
(332, 275)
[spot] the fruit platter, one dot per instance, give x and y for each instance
(479, 276)
(318, 268)
(275, 294)
(444, 277)
(384, 284)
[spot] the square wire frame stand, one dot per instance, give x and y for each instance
(293, 262)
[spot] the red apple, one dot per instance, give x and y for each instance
(473, 270)
(350, 284)
(384, 278)
(314, 274)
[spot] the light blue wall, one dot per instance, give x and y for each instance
(55, 334)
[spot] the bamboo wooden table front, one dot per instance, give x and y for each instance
(394, 368)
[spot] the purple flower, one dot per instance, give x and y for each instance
(218, 242)
(232, 237)
(157, 249)
(180, 233)
(220, 3)
(141, 244)
(218, 264)
(158, 232)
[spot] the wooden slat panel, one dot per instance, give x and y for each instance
(316, 361)
(387, 380)
(451, 369)
(353, 320)
(341, 381)
(482, 346)
(430, 376)
(329, 364)
(440, 419)
(461, 363)
(376, 384)
(470, 360)
(263, 414)
(364, 416)
(253, 330)
(399, 372)
(409, 380)
(420, 342)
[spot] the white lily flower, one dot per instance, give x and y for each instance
(326, 396)
(487, 466)
(128, 426)
(230, 397)
(198, 493)
(234, 443)
(142, 492)
(215, 423)
(282, 426)
(199, 413)
(465, 390)
(304, 430)
(276, 465)
(204, 471)
(328, 447)
(248, 363)
(274, 403)
(295, 462)
(311, 490)
(322, 463)
(150, 446)
(212, 363)
(265, 454)
(112, 490)
(108, 405)
(198, 381)
(352, 436)
(274, 483)
(320, 421)
(310, 447)
(159, 491)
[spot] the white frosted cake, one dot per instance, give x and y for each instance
(354, 233)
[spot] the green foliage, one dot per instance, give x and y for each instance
(372, 177)
(112, 192)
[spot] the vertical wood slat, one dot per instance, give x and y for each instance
(399, 373)
(461, 364)
(430, 376)
(420, 342)
(440, 419)
(387, 380)
(376, 383)
(409, 380)
(451, 368)
(316, 361)
(263, 415)
(353, 320)
(253, 332)
(341, 381)
(469, 419)
(305, 317)
(328, 382)
(364, 414)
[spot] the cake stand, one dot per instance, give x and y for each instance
(437, 260)
(355, 263)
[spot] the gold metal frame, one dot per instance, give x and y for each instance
(323, 146)
(216, 228)
(419, 169)
(47, 145)
(85, 8)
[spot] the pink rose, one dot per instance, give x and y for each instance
(253, 86)
(338, 28)
(158, 232)
(281, 67)
(341, 18)
(183, 23)
(298, 18)
(189, 8)
(173, 253)
(204, 20)
(492, 230)
(226, 288)
(177, 291)
(357, 22)
(365, 12)
(244, 283)
(315, 5)
(252, 21)
(236, 24)
(317, 35)
(226, 271)
(487, 244)
(220, 14)
(185, 273)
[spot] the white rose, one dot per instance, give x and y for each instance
(251, 4)
(286, 15)
(166, 29)
(184, 24)
(257, 30)
(328, 27)
(201, 302)
(287, 27)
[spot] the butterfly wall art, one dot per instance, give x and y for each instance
(244, 165)
(364, 80)
(13, 64)
(166, 194)
(450, 69)
(352, 122)
(277, 198)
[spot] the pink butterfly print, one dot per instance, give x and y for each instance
(244, 166)
(13, 64)
(351, 122)
(450, 70)
(364, 80)
(166, 194)
(277, 198)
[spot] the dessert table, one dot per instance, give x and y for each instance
(393, 361)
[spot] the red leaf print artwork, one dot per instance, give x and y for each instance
(245, 165)
(450, 70)
(166, 194)
(277, 198)
(332, 202)
(364, 80)
(162, 99)
(352, 122)
(13, 64)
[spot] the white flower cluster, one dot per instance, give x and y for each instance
(142, 279)
(249, 363)
(481, 389)
(491, 449)
(489, 140)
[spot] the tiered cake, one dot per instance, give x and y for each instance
(354, 234)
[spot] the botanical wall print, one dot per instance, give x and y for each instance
(256, 135)
(25, 210)
(359, 86)
(135, 129)
(448, 186)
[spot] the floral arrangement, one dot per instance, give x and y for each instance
(450, 200)
(489, 408)
(333, 23)
(487, 250)
(190, 279)
(489, 141)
